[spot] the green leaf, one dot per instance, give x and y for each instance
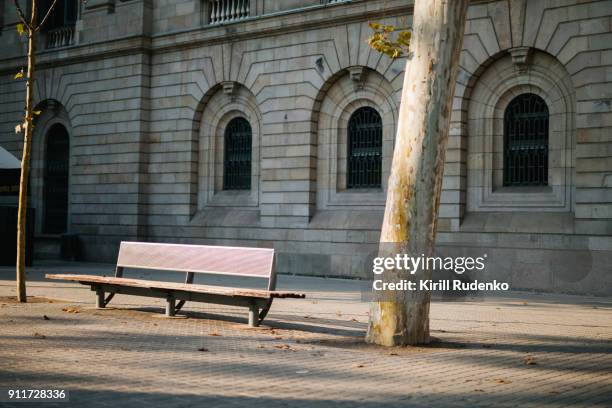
(19, 74)
(21, 29)
(38, 112)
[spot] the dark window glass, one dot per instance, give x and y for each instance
(64, 13)
(526, 142)
(55, 191)
(237, 157)
(364, 164)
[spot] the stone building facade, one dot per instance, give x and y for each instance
(138, 96)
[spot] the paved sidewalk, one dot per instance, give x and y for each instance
(528, 350)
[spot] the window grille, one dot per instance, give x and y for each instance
(237, 157)
(364, 166)
(526, 142)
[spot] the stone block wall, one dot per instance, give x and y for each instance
(149, 86)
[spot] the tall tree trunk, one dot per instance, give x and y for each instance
(25, 163)
(415, 182)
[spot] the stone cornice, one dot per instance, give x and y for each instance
(79, 54)
(315, 17)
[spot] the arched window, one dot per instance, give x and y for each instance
(526, 141)
(237, 155)
(364, 164)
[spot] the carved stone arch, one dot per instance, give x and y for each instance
(496, 86)
(344, 93)
(220, 105)
(53, 113)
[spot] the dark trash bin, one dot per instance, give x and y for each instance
(69, 247)
(8, 234)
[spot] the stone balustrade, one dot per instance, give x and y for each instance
(60, 37)
(225, 11)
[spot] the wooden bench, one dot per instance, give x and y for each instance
(190, 259)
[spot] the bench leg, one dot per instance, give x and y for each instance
(253, 315)
(265, 310)
(170, 307)
(100, 301)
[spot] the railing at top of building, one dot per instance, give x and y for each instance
(225, 11)
(59, 37)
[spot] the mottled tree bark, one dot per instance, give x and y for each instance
(415, 182)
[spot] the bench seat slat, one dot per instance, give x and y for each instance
(197, 288)
(237, 261)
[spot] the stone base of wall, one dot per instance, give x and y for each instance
(574, 267)
(579, 272)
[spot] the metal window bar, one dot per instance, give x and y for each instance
(526, 141)
(237, 157)
(364, 165)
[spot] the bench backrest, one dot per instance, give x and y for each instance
(219, 260)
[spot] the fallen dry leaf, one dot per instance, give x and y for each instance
(71, 310)
(202, 349)
(359, 365)
(39, 336)
(529, 360)
(284, 347)
(502, 381)
(46, 317)
(214, 334)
